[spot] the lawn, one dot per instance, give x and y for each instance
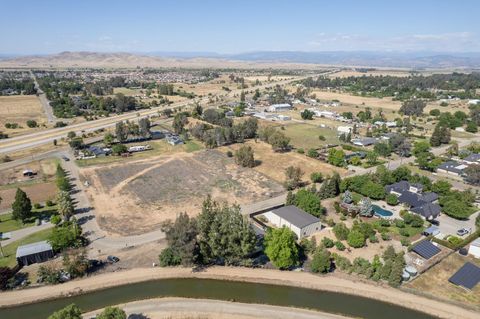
(159, 147)
(10, 250)
(306, 136)
(8, 224)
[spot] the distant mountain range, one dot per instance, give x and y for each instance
(260, 59)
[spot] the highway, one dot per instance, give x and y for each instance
(44, 137)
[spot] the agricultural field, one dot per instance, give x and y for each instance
(273, 164)
(435, 282)
(139, 196)
(19, 109)
(39, 187)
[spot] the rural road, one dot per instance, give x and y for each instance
(24, 232)
(178, 308)
(47, 136)
(44, 101)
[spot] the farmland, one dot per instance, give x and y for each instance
(138, 197)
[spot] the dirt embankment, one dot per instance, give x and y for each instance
(298, 279)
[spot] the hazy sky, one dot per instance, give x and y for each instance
(228, 26)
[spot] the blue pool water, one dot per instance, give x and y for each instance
(380, 212)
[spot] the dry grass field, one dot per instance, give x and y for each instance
(38, 187)
(273, 164)
(435, 282)
(19, 109)
(137, 197)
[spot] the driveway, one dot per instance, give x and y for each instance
(449, 225)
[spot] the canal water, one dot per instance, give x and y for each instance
(332, 302)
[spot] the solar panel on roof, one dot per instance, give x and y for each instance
(426, 249)
(467, 276)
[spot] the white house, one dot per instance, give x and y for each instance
(292, 217)
(279, 107)
(473, 102)
(474, 249)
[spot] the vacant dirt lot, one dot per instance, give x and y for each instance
(435, 282)
(44, 170)
(19, 109)
(137, 197)
(273, 164)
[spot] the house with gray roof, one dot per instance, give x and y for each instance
(472, 159)
(412, 196)
(366, 141)
(451, 168)
(300, 222)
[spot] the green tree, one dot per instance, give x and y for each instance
(179, 122)
(307, 114)
(279, 141)
(244, 156)
(119, 149)
(112, 313)
(316, 177)
(391, 199)
(144, 127)
(321, 261)
(356, 239)
(121, 132)
(66, 235)
(412, 107)
(336, 157)
(69, 312)
(309, 202)
(22, 206)
(281, 247)
(383, 149)
(108, 139)
(66, 207)
(181, 237)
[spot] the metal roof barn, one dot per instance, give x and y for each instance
(34, 253)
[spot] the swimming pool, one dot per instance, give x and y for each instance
(380, 212)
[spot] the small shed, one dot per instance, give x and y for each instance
(474, 248)
(34, 253)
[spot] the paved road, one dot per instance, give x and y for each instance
(177, 308)
(31, 140)
(22, 233)
(44, 101)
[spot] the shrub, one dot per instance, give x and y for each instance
(341, 231)
(339, 245)
(391, 199)
(404, 232)
(312, 153)
(244, 156)
(399, 223)
(37, 206)
(454, 240)
(316, 177)
(300, 151)
(327, 242)
(229, 154)
(32, 123)
(321, 261)
(373, 239)
(386, 236)
(49, 203)
(342, 263)
(119, 149)
(169, 258)
(405, 242)
(55, 219)
(356, 239)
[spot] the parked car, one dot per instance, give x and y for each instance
(66, 159)
(112, 259)
(462, 232)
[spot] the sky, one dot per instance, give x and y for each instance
(236, 26)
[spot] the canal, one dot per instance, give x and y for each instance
(331, 302)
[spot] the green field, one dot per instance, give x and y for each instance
(306, 136)
(10, 250)
(8, 224)
(159, 147)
